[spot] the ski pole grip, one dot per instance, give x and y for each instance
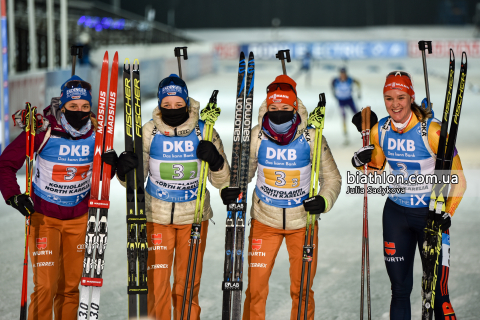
(180, 52)
(321, 100)
(75, 51)
(425, 45)
(283, 55)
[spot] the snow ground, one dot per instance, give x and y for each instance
(337, 284)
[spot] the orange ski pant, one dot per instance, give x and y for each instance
(263, 245)
(57, 248)
(169, 244)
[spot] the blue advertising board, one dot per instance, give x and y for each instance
(331, 49)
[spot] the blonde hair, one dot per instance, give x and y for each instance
(421, 113)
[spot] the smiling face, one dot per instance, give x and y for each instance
(78, 105)
(280, 107)
(398, 104)
(173, 102)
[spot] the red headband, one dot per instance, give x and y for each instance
(399, 82)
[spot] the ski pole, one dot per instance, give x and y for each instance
(315, 119)
(365, 244)
(426, 45)
(210, 115)
(30, 143)
(180, 52)
(283, 55)
(75, 51)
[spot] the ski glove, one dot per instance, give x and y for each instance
(127, 161)
(207, 151)
(445, 221)
(315, 205)
(229, 195)
(357, 120)
(110, 157)
(22, 203)
(362, 156)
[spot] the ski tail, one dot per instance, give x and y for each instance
(130, 191)
(241, 215)
(438, 199)
(227, 284)
(142, 246)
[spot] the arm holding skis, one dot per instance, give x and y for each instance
(221, 178)
(12, 160)
(329, 179)
(253, 160)
(458, 189)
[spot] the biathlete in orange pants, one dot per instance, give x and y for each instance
(173, 148)
(282, 150)
(399, 139)
(64, 147)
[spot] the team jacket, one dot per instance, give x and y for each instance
(400, 148)
(57, 192)
(289, 213)
(172, 201)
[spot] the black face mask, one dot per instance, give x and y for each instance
(174, 117)
(279, 117)
(77, 119)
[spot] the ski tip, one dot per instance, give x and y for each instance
(126, 61)
(136, 65)
(321, 100)
(105, 57)
(250, 56)
(242, 55)
(115, 57)
(452, 55)
(464, 55)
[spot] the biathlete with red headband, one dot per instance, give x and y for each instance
(282, 149)
(408, 140)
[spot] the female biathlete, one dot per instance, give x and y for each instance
(408, 139)
(58, 205)
(173, 149)
(282, 149)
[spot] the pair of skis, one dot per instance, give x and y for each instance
(97, 230)
(443, 165)
(30, 128)
(235, 224)
(137, 247)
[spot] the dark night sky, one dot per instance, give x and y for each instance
(306, 13)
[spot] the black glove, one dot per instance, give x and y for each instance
(315, 205)
(229, 195)
(22, 203)
(207, 151)
(127, 161)
(110, 157)
(362, 156)
(357, 120)
(445, 221)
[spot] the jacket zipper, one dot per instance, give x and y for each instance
(284, 218)
(173, 209)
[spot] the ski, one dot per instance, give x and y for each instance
(228, 285)
(137, 249)
(443, 165)
(96, 236)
